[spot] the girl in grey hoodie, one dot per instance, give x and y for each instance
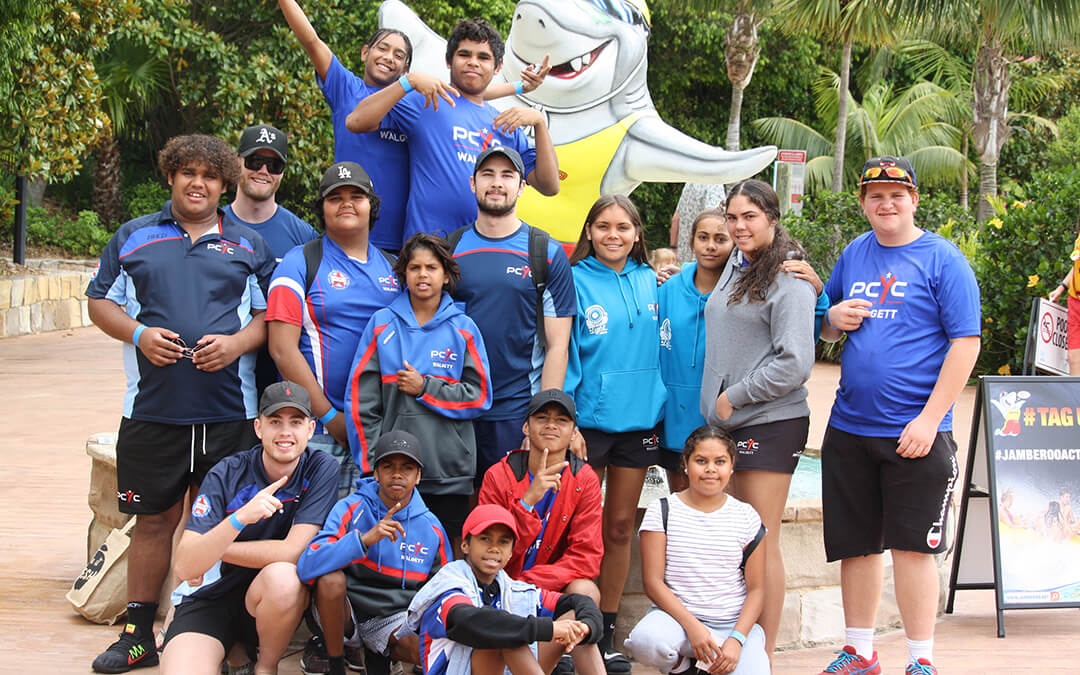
(759, 348)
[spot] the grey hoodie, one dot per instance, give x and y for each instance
(759, 353)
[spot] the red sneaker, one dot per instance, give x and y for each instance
(920, 667)
(849, 663)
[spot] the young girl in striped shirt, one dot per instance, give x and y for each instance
(703, 570)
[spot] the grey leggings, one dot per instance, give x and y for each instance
(659, 641)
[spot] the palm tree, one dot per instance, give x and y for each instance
(920, 123)
(955, 71)
(130, 78)
(997, 30)
(846, 22)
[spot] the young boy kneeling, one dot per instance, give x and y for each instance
(364, 576)
(255, 512)
(472, 616)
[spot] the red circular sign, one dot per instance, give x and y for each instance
(1046, 328)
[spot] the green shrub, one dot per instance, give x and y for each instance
(1023, 253)
(143, 198)
(83, 236)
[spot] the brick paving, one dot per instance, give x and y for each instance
(60, 387)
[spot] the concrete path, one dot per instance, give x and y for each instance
(58, 388)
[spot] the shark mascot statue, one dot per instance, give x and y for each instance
(607, 133)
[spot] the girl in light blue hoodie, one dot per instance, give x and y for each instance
(614, 377)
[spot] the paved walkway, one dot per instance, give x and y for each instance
(58, 388)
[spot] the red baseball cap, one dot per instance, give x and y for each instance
(486, 515)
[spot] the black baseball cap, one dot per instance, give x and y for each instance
(284, 395)
(263, 136)
(345, 173)
(556, 396)
(397, 442)
(509, 153)
(888, 169)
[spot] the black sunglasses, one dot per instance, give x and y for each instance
(274, 165)
(189, 352)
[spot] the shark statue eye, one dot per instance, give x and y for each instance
(628, 11)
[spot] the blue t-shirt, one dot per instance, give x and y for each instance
(282, 231)
(497, 289)
(443, 146)
(152, 269)
(384, 154)
(344, 294)
(924, 294)
(305, 499)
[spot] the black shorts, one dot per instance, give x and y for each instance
(874, 499)
(155, 463)
(772, 446)
(225, 619)
(631, 449)
(451, 510)
(670, 459)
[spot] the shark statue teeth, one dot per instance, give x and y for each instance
(607, 133)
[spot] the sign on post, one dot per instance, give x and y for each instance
(1051, 341)
(789, 179)
(1025, 434)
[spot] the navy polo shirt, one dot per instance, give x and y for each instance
(210, 286)
(306, 499)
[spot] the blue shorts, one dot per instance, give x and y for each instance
(495, 439)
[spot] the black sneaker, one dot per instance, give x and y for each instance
(615, 663)
(565, 666)
(315, 661)
(354, 657)
(132, 650)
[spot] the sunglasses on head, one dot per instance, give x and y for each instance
(890, 171)
(274, 165)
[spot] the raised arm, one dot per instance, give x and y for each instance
(317, 51)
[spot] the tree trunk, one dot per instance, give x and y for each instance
(841, 118)
(734, 118)
(741, 53)
(107, 201)
(963, 171)
(990, 108)
(987, 186)
(695, 198)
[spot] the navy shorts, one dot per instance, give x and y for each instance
(155, 463)
(495, 439)
(874, 499)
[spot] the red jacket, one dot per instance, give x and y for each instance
(573, 542)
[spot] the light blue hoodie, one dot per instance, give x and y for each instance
(614, 368)
(682, 354)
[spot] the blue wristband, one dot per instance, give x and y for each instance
(330, 414)
(739, 637)
(404, 82)
(827, 322)
(235, 522)
(519, 87)
(525, 506)
(137, 334)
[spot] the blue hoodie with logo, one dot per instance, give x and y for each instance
(614, 368)
(380, 580)
(448, 351)
(682, 354)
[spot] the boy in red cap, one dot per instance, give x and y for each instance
(472, 615)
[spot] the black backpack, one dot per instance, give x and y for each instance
(313, 253)
(746, 551)
(538, 267)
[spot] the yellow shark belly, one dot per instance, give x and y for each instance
(582, 165)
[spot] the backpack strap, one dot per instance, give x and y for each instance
(752, 546)
(390, 258)
(454, 237)
(664, 512)
(313, 253)
(538, 267)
